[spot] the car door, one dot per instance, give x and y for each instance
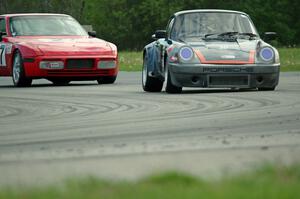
(5, 49)
(2, 44)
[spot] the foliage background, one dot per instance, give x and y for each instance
(130, 23)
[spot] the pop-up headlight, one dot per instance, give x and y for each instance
(107, 64)
(51, 65)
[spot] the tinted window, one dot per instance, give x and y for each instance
(2, 25)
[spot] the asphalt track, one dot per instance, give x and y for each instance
(118, 131)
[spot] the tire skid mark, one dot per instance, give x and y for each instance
(47, 109)
(6, 111)
(186, 107)
(157, 116)
(240, 104)
(165, 134)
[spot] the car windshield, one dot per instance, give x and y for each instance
(198, 25)
(49, 25)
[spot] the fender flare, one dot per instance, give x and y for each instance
(152, 64)
(149, 52)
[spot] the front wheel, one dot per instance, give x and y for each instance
(170, 87)
(18, 72)
(150, 84)
(107, 80)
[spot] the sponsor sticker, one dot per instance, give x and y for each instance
(2, 55)
(8, 48)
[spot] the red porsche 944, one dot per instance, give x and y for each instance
(54, 47)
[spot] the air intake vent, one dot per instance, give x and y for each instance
(79, 63)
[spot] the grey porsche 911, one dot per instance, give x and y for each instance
(210, 49)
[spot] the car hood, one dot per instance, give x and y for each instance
(62, 46)
(225, 52)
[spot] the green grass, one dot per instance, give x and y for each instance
(268, 182)
(131, 61)
(289, 58)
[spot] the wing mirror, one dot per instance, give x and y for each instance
(92, 33)
(270, 36)
(159, 34)
(1, 35)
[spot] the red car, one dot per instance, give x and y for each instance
(54, 47)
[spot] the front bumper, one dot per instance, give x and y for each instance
(224, 76)
(32, 69)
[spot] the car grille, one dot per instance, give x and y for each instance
(228, 80)
(227, 70)
(79, 63)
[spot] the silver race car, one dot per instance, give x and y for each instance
(211, 49)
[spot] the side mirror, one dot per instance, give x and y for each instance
(270, 36)
(1, 35)
(159, 34)
(92, 33)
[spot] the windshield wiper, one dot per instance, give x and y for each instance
(211, 34)
(181, 40)
(229, 34)
(221, 34)
(225, 36)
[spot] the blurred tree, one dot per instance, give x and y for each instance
(130, 23)
(3, 6)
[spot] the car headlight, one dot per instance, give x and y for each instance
(186, 53)
(266, 54)
(51, 65)
(107, 64)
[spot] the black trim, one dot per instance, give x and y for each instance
(30, 60)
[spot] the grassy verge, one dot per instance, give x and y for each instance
(268, 182)
(289, 58)
(131, 61)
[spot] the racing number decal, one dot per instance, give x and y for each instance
(2, 55)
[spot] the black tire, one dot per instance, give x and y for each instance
(267, 89)
(171, 88)
(107, 80)
(18, 71)
(60, 82)
(150, 84)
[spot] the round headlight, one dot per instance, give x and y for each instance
(186, 53)
(267, 54)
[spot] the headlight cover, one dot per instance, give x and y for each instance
(266, 54)
(51, 65)
(186, 53)
(107, 64)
